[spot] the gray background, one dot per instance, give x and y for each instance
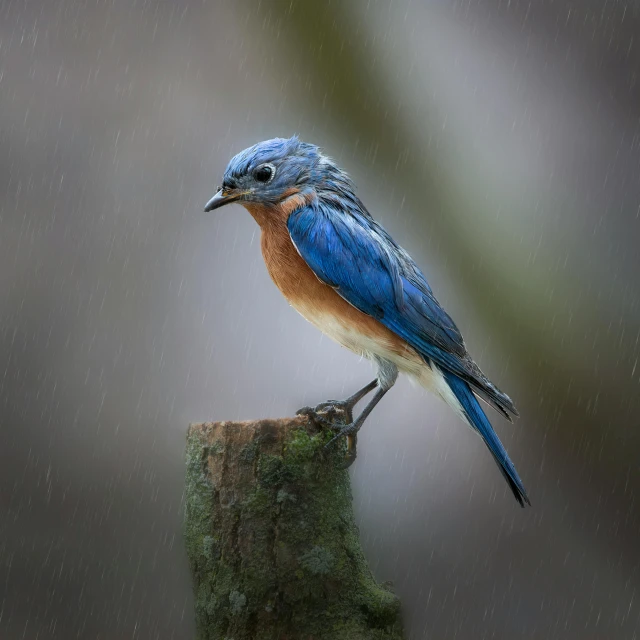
(498, 142)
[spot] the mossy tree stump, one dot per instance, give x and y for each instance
(272, 541)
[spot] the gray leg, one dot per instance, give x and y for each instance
(354, 427)
(387, 376)
(351, 401)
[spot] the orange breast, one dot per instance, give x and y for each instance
(316, 301)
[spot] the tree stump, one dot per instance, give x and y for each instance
(271, 537)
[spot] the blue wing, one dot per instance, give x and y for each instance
(355, 255)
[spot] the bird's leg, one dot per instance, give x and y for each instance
(338, 414)
(331, 409)
(387, 376)
(351, 430)
(349, 403)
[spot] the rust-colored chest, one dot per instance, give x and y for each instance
(290, 272)
(314, 299)
(287, 269)
(318, 302)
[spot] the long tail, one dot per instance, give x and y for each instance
(479, 421)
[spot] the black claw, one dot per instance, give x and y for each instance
(332, 414)
(350, 431)
(345, 430)
(335, 415)
(350, 457)
(333, 405)
(316, 417)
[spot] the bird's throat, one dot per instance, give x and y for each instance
(275, 215)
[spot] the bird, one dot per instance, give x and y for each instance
(341, 270)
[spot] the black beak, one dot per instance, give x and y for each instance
(221, 198)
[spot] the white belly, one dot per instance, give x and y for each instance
(410, 362)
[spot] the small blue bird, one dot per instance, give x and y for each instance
(345, 274)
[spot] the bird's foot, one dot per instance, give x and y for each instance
(333, 414)
(350, 432)
(336, 415)
(347, 430)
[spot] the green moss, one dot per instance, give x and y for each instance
(210, 549)
(215, 448)
(237, 602)
(380, 606)
(250, 451)
(283, 552)
(258, 502)
(283, 496)
(270, 471)
(302, 447)
(199, 500)
(317, 560)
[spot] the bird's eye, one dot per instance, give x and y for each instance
(264, 173)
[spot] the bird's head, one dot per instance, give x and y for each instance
(274, 170)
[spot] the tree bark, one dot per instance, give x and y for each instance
(271, 537)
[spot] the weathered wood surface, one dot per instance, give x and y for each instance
(271, 538)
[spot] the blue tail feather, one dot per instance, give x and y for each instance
(479, 421)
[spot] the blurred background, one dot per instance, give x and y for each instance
(498, 142)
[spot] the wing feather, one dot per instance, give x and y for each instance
(354, 254)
